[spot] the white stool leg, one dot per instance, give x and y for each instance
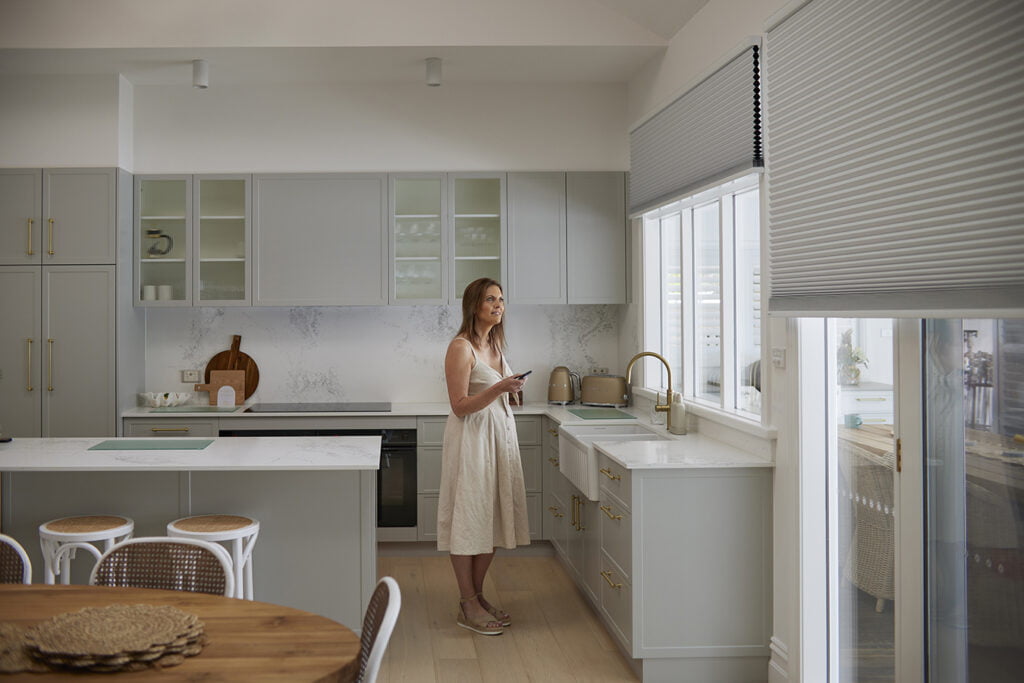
(248, 578)
(49, 548)
(65, 567)
(236, 560)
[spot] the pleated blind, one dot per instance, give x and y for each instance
(709, 133)
(895, 157)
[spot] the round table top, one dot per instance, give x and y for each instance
(248, 641)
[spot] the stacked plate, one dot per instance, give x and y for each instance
(116, 638)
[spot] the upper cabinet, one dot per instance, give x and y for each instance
(320, 239)
(222, 247)
(446, 231)
(596, 237)
(537, 241)
(58, 216)
(163, 240)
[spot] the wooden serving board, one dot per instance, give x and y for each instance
(233, 359)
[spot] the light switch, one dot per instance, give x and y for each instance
(778, 357)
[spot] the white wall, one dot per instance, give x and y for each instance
(59, 121)
(380, 127)
(393, 353)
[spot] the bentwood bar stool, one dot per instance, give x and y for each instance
(240, 531)
(110, 529)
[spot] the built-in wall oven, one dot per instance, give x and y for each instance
(396, 478)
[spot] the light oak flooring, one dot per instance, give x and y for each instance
(555, 635)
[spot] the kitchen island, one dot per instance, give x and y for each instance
(315, 499)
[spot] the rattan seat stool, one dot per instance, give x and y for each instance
(111, 529)
(241, 531)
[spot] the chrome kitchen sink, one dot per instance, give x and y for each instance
(577, 458)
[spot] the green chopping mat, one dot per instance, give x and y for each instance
(195, 409)
(152, 444)
(601, 414)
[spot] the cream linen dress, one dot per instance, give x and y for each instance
(482, 503)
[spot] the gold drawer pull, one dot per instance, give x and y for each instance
(554, 511)
(553, 461)
(49, 365)
(607, 509)
(168, 429)
(872, 398)
(552, 432)
(607, 576)
(28, 382)
(608, 473)
(30, 251)
(50, 249)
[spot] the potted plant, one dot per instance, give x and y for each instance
(848, 358)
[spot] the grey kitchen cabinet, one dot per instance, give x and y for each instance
(476, 204)
(320, 239)
(429, 438)
(192, 240)
(58, 216)
(163, 427)
(555, 486)
(58, 353)
(596, 237)
(537, 238)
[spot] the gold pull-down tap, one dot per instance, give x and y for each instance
(667, 407)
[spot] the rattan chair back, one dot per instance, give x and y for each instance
(15, 566)
(378, 623)
(179, 564)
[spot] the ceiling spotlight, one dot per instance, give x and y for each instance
(200, 74)
(433, 71)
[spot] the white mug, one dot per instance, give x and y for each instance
(165, 292)
(149, 292)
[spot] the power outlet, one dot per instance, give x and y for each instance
(599, 371)
(190, 376)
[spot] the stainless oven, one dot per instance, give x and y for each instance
(396, 478)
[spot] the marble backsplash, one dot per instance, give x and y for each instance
(393, 353)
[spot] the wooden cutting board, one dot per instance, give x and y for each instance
(233, 359)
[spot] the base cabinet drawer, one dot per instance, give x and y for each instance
(617, 598)
(615, 479)
(169, 428)
(616, 532)
(426, 517)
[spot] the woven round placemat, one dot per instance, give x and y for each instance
(116, 638)
(14, 656)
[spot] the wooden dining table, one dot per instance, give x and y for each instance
(247, 640)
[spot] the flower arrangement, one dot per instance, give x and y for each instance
(848, 359)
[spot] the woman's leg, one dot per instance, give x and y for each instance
(465, 567)
(481, 563)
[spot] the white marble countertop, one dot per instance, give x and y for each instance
(679, 452)
(225, 454)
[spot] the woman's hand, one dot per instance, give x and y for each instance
(511, 385)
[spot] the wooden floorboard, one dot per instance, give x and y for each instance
(555, 635)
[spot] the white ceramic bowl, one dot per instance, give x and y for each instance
(161, 399)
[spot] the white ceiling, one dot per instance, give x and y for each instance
(595, 63)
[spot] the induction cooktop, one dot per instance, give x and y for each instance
(328, 407)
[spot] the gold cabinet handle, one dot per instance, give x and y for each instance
(30, 251)
(553, 461)
(554, 511)
(49, 365)
(607, 576)
(607, 509)
(168, 429)
(552, 432)
(49, 250)
(872, 398)
(608, 473)
(28, 372)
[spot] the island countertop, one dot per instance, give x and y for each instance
(222, 454)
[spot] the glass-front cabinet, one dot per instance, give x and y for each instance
(222, 244)
(163, 217)
(446, 231)
(478, 216)
(192, 240)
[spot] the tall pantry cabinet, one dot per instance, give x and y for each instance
(59, 286)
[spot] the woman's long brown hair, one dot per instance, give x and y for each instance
(471, 300)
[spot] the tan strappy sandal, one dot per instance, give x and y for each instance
(484, 628)
(503, 617)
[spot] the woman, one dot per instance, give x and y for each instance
(482, 501)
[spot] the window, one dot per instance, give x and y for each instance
(702, 296)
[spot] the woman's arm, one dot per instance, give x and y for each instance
(458, 364)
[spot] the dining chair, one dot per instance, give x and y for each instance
(378, 623)
(181, 564)
(15, 566)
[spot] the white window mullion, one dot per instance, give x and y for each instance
(686, 384)
(727, 305)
